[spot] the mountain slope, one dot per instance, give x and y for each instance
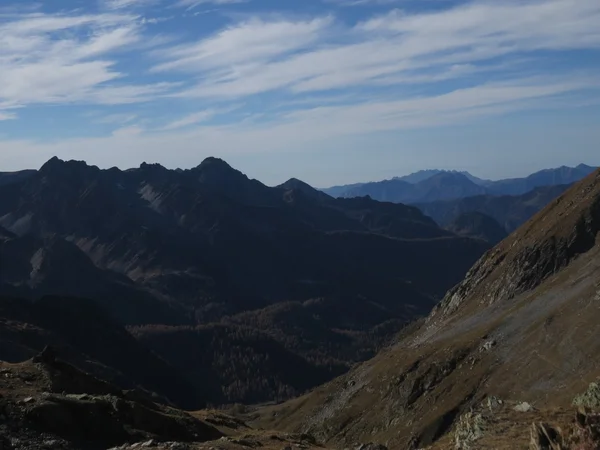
(187, 253)
(32, 268)
(522, 326)
(510, 211)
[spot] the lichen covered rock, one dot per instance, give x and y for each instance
(590, 398)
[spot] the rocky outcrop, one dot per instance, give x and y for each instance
(50, 399)
(590, 398)
(544, 437)
(470, 427)
(112, 420)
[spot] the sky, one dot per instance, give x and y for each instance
(328, 91)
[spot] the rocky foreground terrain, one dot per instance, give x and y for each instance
(46, 404)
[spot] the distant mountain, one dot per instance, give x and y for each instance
(293, 184)
(423, 175)
(478, 225)
(417, 187)
(340, 191)
(549, 177)
(205, 265)
(510, 211)
(439, 186)
(443, 186)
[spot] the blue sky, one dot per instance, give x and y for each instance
(329, 91)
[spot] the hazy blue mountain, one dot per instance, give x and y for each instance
(423, 175)
(340, 191)
(434, 185)
(547, 177)
(511, 211)
(439, 186)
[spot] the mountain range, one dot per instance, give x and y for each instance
(176, 317)
(246, 293)
(436, 185)
(507, 359)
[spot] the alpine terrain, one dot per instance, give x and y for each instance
(508, 359)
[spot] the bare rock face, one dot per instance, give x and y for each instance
(590, 398)
(544, 437)
(470, 427)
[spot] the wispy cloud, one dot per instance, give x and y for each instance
(190, 119)
(68, 59)
(120, 119)
(364, 2)
(191, 4)
(253, 57)
(7, 115)
(252, 43)
(123, 4)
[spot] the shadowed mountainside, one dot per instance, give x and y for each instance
(197, 261)
(478, 225)
(84, 335)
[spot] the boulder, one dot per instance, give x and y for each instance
(523, 407)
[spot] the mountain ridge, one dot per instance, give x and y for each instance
(416, 190)
(208, 255)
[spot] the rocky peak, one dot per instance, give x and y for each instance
(294, 184)
(72, 168)
(152, 166)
